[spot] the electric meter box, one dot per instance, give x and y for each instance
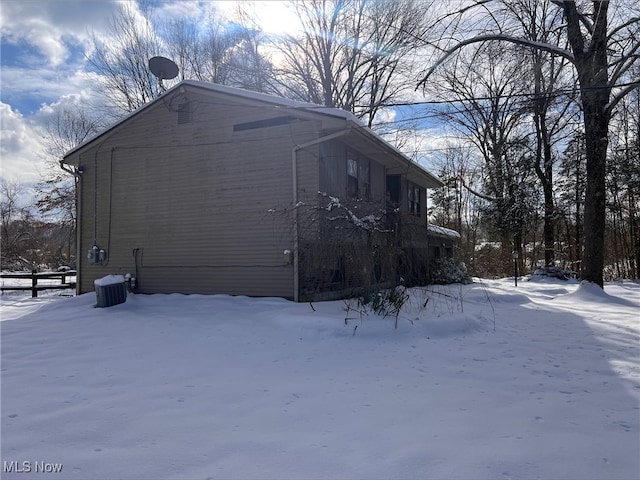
(96, 255)
(110, 290)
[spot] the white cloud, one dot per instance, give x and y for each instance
(385, 116)
(189, 9)
(21, 147)
(52, 27)
(274, 16)
(23, 144)
(51, 40)
(42, 85)
(428, 146)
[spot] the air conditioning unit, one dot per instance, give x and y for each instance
(110, 290)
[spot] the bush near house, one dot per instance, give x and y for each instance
(443, 271)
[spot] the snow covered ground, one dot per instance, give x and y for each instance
(485, 382)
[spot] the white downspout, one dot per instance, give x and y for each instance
(296, 243)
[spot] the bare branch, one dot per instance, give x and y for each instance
(624, 25)
(624, 92)
(547, 47)
(476, 193)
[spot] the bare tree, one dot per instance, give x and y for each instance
(16, 226)
(211, 50)
(352, 54)
(623, 184)
(551, 100)
(454, 206)
(489, 109)
(570, 197)
(121, 59)
(56, 193)
(602, 53)
(202, 51)
(67, 128)
(250, 64)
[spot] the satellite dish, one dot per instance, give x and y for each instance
(163, 68)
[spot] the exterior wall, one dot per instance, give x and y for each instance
(333, 172)
(333, 181)
(347, 258)
(440, 247)
(413, 226)
(187, 207)
(194, 194)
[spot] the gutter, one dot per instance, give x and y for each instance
(294, 165)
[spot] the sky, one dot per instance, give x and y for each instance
(44, 46)
(43, 59)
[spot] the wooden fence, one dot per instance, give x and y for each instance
(34, 276)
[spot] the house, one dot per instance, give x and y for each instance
(213, 189)
(441, 241)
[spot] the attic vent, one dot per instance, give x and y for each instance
(268, 122)
(184, 113)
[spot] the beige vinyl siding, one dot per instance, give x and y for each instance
(194, 193)
(193, 201)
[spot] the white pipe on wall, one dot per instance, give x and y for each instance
(294, 162)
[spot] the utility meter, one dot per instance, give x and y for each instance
(96, 255)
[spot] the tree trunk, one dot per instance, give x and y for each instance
(544, 171)
(578, 219)
(544, 159)
(635, 237)
(596, 129)
(591, 64)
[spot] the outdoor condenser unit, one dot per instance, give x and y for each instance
(110, 290)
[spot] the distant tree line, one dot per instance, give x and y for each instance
(28, 240)
(542, 96)
(545, 92)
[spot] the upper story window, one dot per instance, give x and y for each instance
(394, 189)
(415, 196)
(352, 178)
(358, 178)
(365, 179)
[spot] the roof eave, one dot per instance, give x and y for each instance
(401, 163)
(210, 87)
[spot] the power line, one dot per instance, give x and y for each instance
(554, 94)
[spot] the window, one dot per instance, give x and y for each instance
(358, 179)
(415, 206)
(365, 180)
(394, 187)
(352, 178)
